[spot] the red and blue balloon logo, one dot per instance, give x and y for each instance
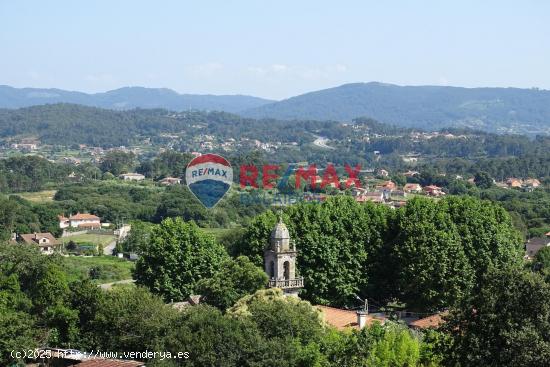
(209, 177)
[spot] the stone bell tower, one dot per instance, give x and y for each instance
(280, 261)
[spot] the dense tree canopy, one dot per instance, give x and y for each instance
(235, 279)
(428, 254)
(505, 323)
(178, 256)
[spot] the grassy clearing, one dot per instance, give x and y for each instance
(38, 196)
(106, 269)
(96, 239)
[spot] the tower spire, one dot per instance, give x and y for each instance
(280, 260)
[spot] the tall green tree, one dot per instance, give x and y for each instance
(177, 257)
(428, 262)
(505, 323)
(235, 279)
(117, 162)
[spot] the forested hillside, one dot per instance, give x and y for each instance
(62, 123)
(490, 109)
(127, 98)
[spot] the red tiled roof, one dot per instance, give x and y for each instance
(33, 238)
(412, 186)
(80, 216)
(429, 322)
(432, 187)
(342, 319)
(109, 363)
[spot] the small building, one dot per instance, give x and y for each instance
(168, 181)
(387, 185)
(63, 222)
(410, 173)
(84, 221)
(132, 177)
(433, 190)
(531, 182)
(383, 173)
(398, 193)
(25, 146)
(375, 197)
(412, 187)
(45, 241)
(534, 245)
(358, 191)
(514, 182)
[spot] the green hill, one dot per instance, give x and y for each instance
(430, 107)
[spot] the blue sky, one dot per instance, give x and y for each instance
(273, 49)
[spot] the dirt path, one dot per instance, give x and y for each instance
(108, 286)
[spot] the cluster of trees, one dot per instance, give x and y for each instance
(33, 173)
(169, 163)
(38, 306)
(61, 123)
(20, 216)
(457, 253)
(114, 202)
(428, 254)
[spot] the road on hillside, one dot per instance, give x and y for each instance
(108, 250)
(321, 142)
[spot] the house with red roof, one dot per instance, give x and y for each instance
(412, 187)
(344, 319)
(387, 185)
(80, 220)
(433, 190)
(46, 242)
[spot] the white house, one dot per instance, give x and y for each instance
(132, 177)
(84, 221)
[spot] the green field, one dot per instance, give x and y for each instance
(107, 269)
(39, 196)
(96, 239)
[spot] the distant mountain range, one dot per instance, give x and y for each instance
(128, 98)
(431, 107)
(503, 110)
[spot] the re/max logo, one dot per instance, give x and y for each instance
(209, 172)
(249, 176)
